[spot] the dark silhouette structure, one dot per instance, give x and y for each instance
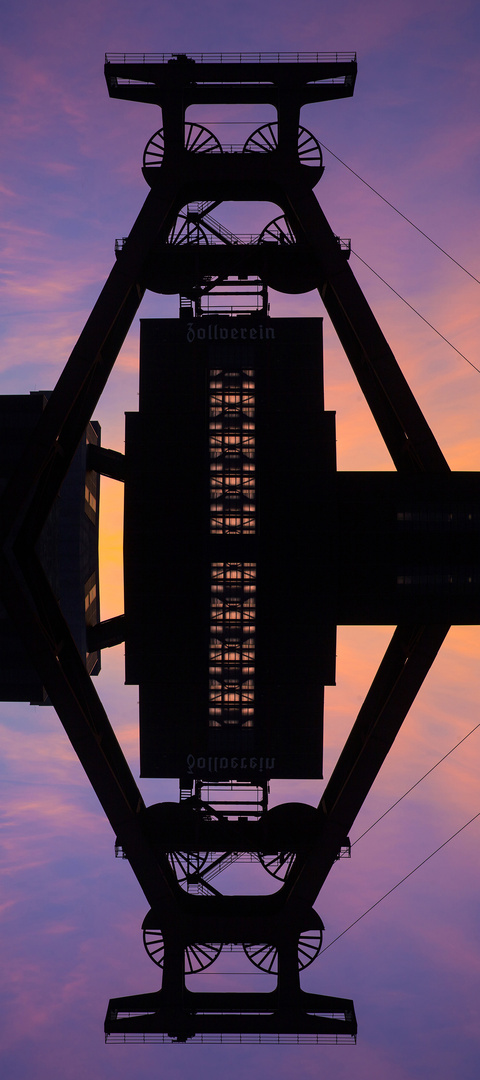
(67, 546)
(244, 548)
(241, 646)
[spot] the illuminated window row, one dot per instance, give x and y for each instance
(232, 451)
(232, 644)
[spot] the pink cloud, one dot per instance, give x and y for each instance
(59, 168)
(37, 96)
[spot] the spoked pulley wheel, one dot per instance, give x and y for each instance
(265, 139)
(262, 956)
(265, 956)
(198, 140)
(278, 231)
(154, 151)
(187, 865)
(187, 231)
(198, 957)
(277, 864)
(309, 946)
(262, 141)
(154, 944)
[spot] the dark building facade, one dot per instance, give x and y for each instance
(67, 547)
(228, 462)
(244, 548)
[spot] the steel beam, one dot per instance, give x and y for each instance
(408, 437)
(241, 1013)
(159, 78)
(33, 607)
(406, 663)
(46, 461)
(106, 462)
(27, 595)
(106, 634)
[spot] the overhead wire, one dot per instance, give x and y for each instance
(402, 215)
(412, 788)
(414, 226)
(420, 316)
(459, 743)
(462, 355)
(422, 233)
(392, 807)
(394, 887)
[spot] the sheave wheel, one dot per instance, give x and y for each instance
(198, 140)
(186, 231)
(187, 865)
(197, 956)
(265, 139)
(278, 231)
(265, 957)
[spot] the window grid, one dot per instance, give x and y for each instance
(232, 451)
(232, 644)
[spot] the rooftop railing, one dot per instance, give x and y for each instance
(234, 1038)
(232, 58)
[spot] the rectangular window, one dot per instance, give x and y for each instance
(232, 451)
(232, 644)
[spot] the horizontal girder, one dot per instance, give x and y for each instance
(157, 77)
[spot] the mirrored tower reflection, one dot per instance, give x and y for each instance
(244, 549)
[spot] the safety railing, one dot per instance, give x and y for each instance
(232, 57)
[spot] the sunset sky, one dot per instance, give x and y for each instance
(70, 183)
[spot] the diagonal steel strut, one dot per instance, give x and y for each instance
(36, 481)
(408, 437)
(404, 667)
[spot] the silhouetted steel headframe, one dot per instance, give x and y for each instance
(429, 519)
(280, 163)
